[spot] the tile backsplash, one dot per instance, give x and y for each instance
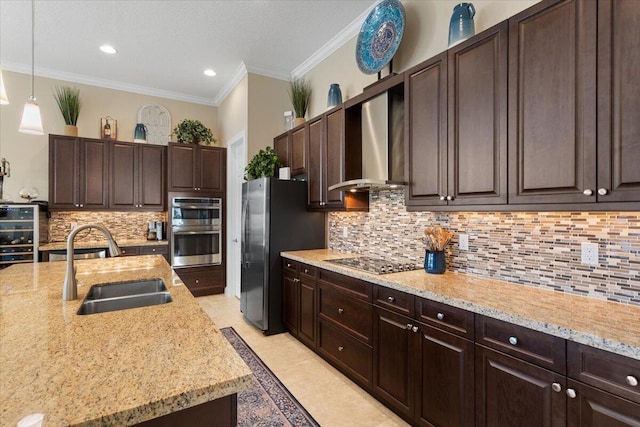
(122, 225)
(540, 249)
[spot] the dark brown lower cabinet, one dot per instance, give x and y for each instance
(595, 408)
(290, 302)
(307, 291)
(221, 412)
(511, 392)
(200, 281)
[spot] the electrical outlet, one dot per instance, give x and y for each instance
(345, 231)
(463, 242)
(74, 225)
(589, 253)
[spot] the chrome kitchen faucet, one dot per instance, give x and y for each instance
(70, 289)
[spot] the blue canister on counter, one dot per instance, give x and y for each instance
(435, 262)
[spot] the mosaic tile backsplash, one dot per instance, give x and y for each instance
(122, 225)
(541, 249)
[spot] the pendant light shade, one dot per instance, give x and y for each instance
(3, 93)
(31, 120)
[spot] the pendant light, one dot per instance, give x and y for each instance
(3, 93)
(31, 119)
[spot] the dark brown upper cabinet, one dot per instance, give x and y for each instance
(290, 148)
(197, 168)
(552, 103)
(456, 144)
(78, 173)
(137, 176)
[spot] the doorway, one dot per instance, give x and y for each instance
(236, 162)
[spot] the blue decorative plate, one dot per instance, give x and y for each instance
(380, 36)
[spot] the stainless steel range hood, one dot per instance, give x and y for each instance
(382, 145)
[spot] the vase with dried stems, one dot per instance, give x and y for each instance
(68, 100)
(300, 93)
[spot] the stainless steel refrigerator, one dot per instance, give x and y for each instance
(274, 219)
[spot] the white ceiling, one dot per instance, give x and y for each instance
(164, 46)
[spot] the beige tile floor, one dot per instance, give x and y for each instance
(330, 397)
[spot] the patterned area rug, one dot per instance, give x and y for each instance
(268, 402)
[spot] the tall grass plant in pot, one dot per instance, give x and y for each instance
(300, 94)
(69, 102)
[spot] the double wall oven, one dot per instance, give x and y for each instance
(196, 231)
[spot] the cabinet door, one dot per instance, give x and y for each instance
(298, 151)
(94, 174)
(124, 176)
(426, 132)
(595, 408)
(151, 177)
(315, 148)
(211, 166)
(308, 323)
(335, 158)
(64, 172)
(283, 149)
(290, 302)
(477, 119)
(552, 103)
(618, 101)
(444, 379)
(510, 392)
(181, 167)
(393, 356)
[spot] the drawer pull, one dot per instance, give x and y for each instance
(440, 316)
(632, 381)
(296, 280)
(556, 387)
(306, 270)
(513, 340)
(571, 393)
(409, 326)
(288, 265)
(197, 281)
(391, 299)
(414, 329)
(340, 348)
(340, 310)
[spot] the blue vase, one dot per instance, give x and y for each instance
(335, 95)
(435, 262)
(140, 134)
(461, 26)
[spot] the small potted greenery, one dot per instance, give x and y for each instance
(193, 132)
(265, 163)
(300, 93)
(68, 100)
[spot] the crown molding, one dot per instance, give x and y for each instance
(332, 45)
(108, 84)
(278, 75)
(236, 77)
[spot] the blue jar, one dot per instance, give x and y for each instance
(335, 95)
(461, 26)
(435, 262)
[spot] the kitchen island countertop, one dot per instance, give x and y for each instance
(54, 246)
(116, 368)
(610, 326)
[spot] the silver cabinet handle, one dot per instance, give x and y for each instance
(443, 198)
(391, 299)
(306, 270)
(340, 310)
(81, 205)
(632, 381)
(409, 326)
(236, 241)
(603, 191)
(513, 340)
(571, 393)
(440, 316)
(340, 348)
(449, 198)
(556, 387)
(288, 264)
(197, 281)
(296, 280)
(588, 192)
(414, 329)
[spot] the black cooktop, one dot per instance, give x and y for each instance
(376, 265)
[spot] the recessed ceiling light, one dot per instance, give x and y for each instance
(107, 49)
(209, 72)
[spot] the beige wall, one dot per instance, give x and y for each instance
(233, 113)
(268, 100)
(29, 154)
(426, 35)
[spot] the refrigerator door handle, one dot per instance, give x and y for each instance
(245, 228)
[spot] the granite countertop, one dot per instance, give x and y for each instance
(53, 246)
(116, 368)
(610, 326)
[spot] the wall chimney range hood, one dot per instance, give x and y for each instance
(381, 134)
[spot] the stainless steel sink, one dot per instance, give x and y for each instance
(122, 296)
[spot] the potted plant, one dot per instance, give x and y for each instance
(300, 93)
(265, 163)
(68, 100)
(193, 132)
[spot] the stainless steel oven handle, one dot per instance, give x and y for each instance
(197, 232)
(195, 207)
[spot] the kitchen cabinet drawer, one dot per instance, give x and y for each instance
(394, 300)
(202, 281)
(529, 345)
(309, 271)
(445, 317)
(290, 267)
(342, 310)
(153, 250)
(590, 407)
(346, 352)
(610, 372)
(356, 287)
(129, 251)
